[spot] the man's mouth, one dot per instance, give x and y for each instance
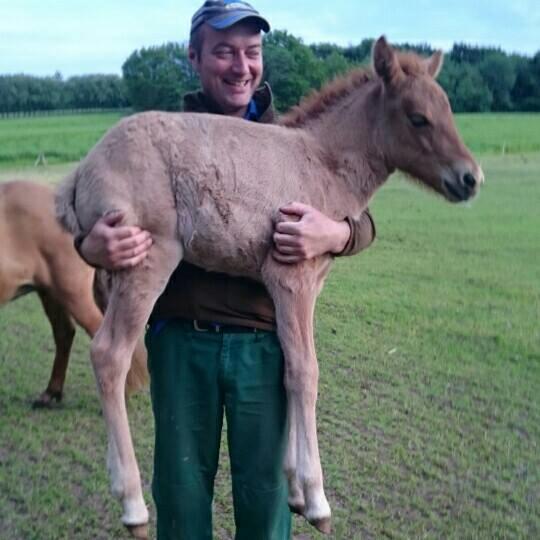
(237, 84)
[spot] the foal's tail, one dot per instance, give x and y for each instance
(64, 200)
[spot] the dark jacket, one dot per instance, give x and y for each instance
(194, 293)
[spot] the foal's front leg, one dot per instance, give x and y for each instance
(294, 290)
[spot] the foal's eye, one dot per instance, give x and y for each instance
(418, 120)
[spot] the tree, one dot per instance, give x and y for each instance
(499, 73)
(526, 90)
(291, 68)
(465, 87)
(157, 77)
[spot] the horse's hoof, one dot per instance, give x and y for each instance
(138, 531)
(324, 525)
(45, 401)
(297, 509)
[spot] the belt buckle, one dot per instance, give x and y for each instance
(214, 326)
(199, 328)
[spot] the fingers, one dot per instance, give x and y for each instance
(132, 251)
(113, 218)
(289, 227)
(286, 259)
(130, 242)
(289, 239)
(132, 261)
(295, 208)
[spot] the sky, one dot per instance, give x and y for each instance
(74, 37)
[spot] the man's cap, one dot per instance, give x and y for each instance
(221, 14)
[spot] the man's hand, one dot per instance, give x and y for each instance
(113, 246)
(308, 234)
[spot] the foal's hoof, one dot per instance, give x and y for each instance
(297, 508)
(138, 531)
(324, 525)
(45, 401)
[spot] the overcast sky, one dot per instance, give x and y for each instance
(96, 36)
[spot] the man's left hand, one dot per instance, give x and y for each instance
(308, 234)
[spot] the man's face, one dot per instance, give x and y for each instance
(230, 65)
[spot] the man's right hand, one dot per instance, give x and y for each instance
(113, 246)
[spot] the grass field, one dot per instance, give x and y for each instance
(60, 138)
(67, 138)
(429, 348)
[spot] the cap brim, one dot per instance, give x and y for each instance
(220, 22)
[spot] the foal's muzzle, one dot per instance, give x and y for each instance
(463, 185)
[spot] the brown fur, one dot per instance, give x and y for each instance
(208, 189)
(37, 255)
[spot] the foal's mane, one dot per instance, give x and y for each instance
(314, 104)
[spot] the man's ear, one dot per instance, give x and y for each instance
(193, 57)
(385, 62)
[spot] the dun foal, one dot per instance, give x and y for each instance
(184, 178)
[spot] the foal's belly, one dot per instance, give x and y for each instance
(234, 243)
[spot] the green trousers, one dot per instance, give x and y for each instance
(195, 377)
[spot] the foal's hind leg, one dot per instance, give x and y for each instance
(294, 290)
(132, 297)
(63, 332)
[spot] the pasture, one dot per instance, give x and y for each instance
(429, 349)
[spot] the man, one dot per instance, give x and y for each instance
(211, 340)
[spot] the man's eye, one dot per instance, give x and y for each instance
(418, 120)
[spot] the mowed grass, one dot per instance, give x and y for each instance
(58, 138)
(500, 133)
(68, 138)
(429, 408)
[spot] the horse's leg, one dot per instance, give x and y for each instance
(63, 332)
(137, 376)
(133, 294)
(294, 290)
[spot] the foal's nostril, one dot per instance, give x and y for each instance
(469, 180)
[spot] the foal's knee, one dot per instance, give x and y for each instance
(302, 379)
(108, 366)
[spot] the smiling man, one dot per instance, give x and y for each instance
(211, 340)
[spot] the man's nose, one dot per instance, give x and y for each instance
(240, 64)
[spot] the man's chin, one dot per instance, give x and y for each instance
(237, 106)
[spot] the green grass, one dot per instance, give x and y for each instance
(429, 407)
(68, 138)
(500, 133)
(60, 138)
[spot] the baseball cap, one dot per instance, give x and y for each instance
(221, 14)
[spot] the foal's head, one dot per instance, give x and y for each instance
(420, 133)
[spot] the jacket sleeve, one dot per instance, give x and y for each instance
(362, 233)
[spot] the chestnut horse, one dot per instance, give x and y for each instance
(207, 188)
(36, 254)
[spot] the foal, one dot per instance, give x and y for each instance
(184, 178)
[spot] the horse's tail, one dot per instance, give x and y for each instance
(137, 377)
(64, 200)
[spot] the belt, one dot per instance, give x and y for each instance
(218, 328)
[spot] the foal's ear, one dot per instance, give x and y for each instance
(385, 61)
(434, 63)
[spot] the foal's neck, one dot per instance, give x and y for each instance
(351, 132)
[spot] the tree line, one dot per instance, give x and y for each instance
(27, 93)
(476, 79)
